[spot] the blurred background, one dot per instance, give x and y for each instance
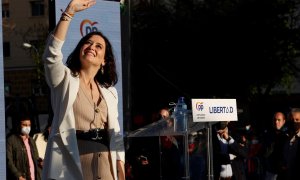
(242, 49)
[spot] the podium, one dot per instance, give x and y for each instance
(166, 128)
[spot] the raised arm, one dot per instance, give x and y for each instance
(73, 7)
(52, 56)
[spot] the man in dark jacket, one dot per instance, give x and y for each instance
(227, 154)
(21, 153)
(292, 148)
(274, 140)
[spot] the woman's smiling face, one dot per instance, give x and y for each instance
(93, 51)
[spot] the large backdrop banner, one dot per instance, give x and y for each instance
(104, 17)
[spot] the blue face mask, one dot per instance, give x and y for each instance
(26, 130)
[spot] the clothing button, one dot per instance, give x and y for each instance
(98, 177)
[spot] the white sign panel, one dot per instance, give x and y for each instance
(104, 16)
(206, 110)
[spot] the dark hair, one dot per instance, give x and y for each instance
(46, 132)
(109, 77)
(221, 125)
(295, 110)
(18, 118)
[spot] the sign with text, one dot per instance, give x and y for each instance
(206, 110)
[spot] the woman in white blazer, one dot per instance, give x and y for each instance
(85, 140)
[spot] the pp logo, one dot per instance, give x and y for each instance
(199, 106)
(87, 26)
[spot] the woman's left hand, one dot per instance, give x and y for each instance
(79, 5)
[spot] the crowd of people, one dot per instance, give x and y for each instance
(241, 151)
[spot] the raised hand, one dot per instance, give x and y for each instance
(79, 5)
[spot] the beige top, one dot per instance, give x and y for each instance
(41, 144)
(95, 157)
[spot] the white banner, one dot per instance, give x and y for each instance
(104, 16)
(206, 110)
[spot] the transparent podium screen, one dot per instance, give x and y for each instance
(163, 151)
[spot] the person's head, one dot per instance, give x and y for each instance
(279, 120)
(222, 129)
(24, 126)
(295, 117)
(221, 125)
(164, 113)
(95, 49)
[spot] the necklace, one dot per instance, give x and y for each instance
(94, 104)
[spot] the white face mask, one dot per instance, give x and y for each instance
(248, 127)
(26, 130)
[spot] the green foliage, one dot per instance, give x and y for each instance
(36, 35)
(251, 46)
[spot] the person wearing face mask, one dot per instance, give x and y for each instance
(292, 148)
(21, 152)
